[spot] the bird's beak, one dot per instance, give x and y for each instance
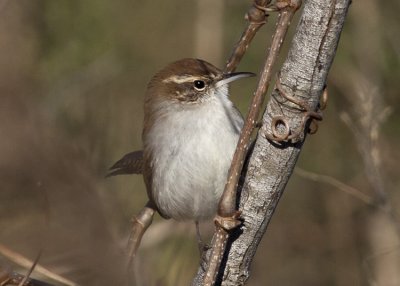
(229, 77)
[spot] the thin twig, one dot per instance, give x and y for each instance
(227, 214)
(256, 19)
(369, 113)
(8, 277)
(335, 183)
(355, 193)
(366, 263)
(34, 264)
(27, 263)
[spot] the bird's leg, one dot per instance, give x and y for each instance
(140, 223)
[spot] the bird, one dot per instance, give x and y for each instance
(190, 132)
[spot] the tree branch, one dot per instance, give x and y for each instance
(227, 215)
(256, 18)
(303, 76)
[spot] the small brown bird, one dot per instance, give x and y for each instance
(190, 133)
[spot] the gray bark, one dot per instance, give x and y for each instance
(303, 76)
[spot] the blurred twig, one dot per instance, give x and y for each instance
(365, 118)
(355, 193)
(34, 264)
(367, 262)
(27, 263)
(12, 278)
(369, 113)
(336, 183)
(366, 133)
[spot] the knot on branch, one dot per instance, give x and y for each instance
(228, 222)
(280, 127)
(256, 15)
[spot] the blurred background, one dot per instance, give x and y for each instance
(72, 81)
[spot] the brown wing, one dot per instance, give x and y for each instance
(131, 163)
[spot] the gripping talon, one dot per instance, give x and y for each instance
(228, 223)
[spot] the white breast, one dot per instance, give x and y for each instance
(193, 147)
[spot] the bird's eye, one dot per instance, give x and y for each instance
(199, 85)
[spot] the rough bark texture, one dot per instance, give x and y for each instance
(303, 76)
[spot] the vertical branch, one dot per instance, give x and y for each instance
(303, 78)
(365, 121)
(226, 218)
(228, 201)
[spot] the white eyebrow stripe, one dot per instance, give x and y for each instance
(181, 78)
